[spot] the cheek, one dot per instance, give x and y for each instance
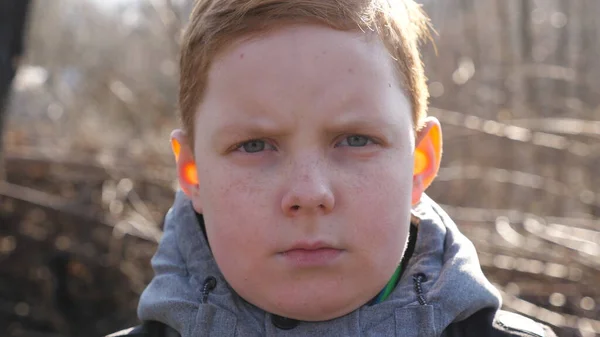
(379, 202)
(235, 209)
(230, 191)
(384, 184)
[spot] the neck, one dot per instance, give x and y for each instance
(391, 285)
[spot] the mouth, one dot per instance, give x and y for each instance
(311, 254)
(311, 245)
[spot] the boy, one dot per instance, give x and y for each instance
(303, 160)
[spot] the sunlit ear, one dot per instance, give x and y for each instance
(186, 166)
(428, 155)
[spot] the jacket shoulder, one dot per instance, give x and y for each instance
(497, 323)
(147, 329)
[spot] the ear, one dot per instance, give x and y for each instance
(428, 156)
(186, 166)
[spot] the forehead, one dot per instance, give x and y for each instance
(303, 49)
(303, 68)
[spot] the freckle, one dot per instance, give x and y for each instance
(324, 52)
(242, 55)
(351, 71)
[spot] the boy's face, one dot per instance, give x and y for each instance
(304, 151)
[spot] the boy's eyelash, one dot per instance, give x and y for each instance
(339, 139)
(239, 145)
(371, 138)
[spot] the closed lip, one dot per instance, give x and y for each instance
(311, 245)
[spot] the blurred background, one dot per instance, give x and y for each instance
(89, 173)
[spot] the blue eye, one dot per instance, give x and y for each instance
(356, 141)
(253, 146)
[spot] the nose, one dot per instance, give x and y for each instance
(308, 193)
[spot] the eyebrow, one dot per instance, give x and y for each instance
(266, 127)
(246, 129)
(358, 124)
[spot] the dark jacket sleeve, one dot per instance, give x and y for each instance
(148, 329)
(497, 323)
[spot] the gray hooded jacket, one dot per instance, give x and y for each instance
(441, 284)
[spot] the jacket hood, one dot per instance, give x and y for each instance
(441, 284)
